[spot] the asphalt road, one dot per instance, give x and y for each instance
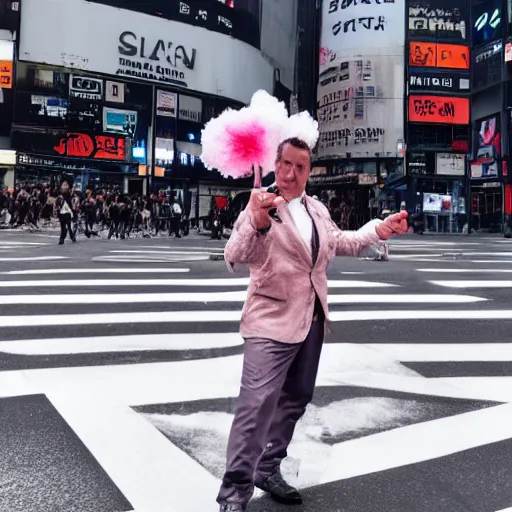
(120, 363)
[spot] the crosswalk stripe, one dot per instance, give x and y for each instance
(473, 284)
(150, 259)
(171, 282)
(444, 352)
(237, 296)
(21, 244)
(75, 271)
(163, 253)
(36, 258)
(212, 316)
(353, 316)
(131, 343)
(466, 270)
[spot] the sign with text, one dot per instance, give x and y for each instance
(437, 55)
(100, 147)
(438, 109)
(85, 88)
(191, 109)
(166, 103)
(144, 48)
(360, 93)
(450, 164)
(438, 18)
(355, 24)
(441, 82)
(5, 74)
(114, 92)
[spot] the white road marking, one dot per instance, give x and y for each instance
(170, 259)
(133, 343)
(184, 247)
(465, 270)
(113, 270)
(411, 256)
(170, 476)
(95, 402)
(419, 442)
(234, 316)
(21, 244)
(473, 284)
(227, 297)
(437, 352)
(244, 281)
(356, 316)
(163, 253)
(36, 258)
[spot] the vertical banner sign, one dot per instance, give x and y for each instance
(6, 56)
(6, 74)
(165, 103)
(360, 86)
(438, 109)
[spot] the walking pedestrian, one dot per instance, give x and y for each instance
(65, 209)
(283, 321)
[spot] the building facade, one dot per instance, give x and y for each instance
(120, 98)
(360, 102)
(449, 67)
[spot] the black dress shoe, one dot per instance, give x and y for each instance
(279, 489)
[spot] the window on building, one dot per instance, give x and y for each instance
(359, 103)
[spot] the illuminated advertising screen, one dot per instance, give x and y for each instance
(436, 55)
(438, 109)
(487, 21)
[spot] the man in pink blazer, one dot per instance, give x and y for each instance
(283, 321)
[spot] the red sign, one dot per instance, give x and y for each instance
(101, 147)
(5, 74)
(437, 55)
(438, 109)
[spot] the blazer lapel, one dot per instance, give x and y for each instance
(294, 236)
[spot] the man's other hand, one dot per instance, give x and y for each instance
(394, 225)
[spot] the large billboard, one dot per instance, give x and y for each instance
(142, 47)
(438, 55)
(448, 19)
(360, 87)
(487, 21)
(438, 109)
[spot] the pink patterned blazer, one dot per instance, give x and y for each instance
(281, 294)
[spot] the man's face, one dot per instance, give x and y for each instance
(292, 172)
(64, 188)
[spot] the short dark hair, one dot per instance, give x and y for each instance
(296, 143)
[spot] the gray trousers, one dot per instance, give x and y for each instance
(278, 381)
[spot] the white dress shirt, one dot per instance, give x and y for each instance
(301, 219)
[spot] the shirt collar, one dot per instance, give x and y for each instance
(298, 200)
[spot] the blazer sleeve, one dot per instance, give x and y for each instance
(246, 245)
(352, 243)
